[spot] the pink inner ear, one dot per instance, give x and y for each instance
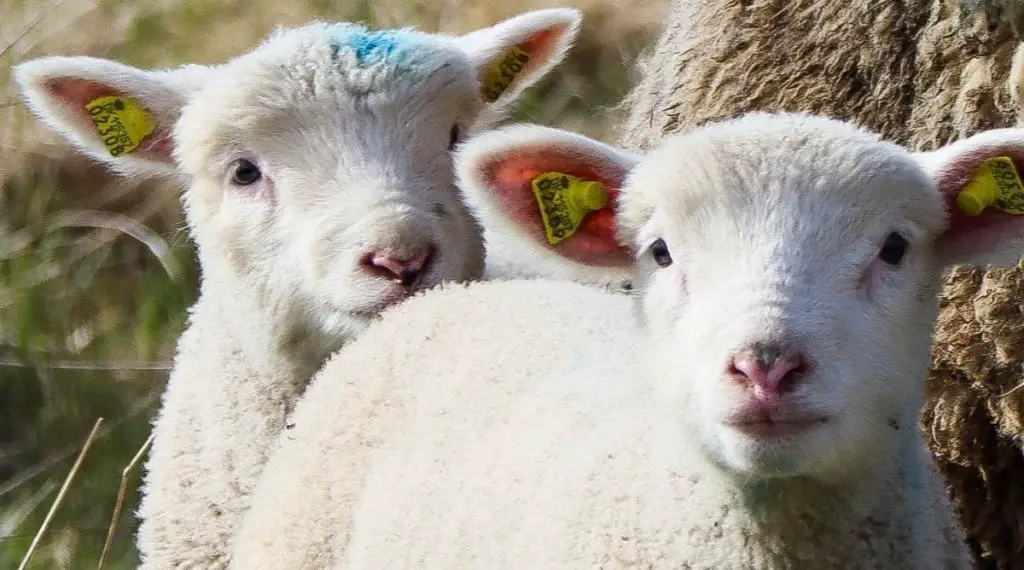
(594, 243)
(992, 227)
(540, 46)
(76, 93)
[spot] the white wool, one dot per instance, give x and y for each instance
(350, 132)
(530, 455)
(533, 424)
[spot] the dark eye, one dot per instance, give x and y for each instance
(894, 248)
(244, 173)
(453, 137)
(659, 250)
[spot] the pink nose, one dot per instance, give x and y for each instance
(770, 368)
(404, 269)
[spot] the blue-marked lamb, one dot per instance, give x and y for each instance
(320, 190)
(752, 405)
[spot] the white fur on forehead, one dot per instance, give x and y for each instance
(760, 161)
(355, 58)
(321, 69)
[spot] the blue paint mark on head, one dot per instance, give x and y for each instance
(372, 46)
(380, 57)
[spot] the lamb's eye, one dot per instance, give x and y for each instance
(894, 248)
(244, 173)
(453, 137)
(659, 250)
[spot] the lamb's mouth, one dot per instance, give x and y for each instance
(769, 429)
(764, 424)
(393, 295)
(372, 311)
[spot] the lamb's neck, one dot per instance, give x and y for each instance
(272, 340)
(864, 521)
(774, 505)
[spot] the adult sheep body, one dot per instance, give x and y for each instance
(759, 413)
(319, 190)
(923, 73)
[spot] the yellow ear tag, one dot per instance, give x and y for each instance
(997, 184)
(121, 122)
(502, 73)
(564, 201)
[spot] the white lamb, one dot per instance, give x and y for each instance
(760, 412)
(320, 189)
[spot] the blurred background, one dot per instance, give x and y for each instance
(97, 272)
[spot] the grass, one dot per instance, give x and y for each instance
(97, 273)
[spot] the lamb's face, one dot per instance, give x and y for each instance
(787, 277)
(786, 269)
(320, 181)
(321, 171)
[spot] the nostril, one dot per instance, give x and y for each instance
(408, 277)
(403, 269)
(783, 374)
(415, 267)
(773, 370)
(418, 263)
(384, 266)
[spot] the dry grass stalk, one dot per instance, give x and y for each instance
(120, 499)
(60, 495)
(143, 405)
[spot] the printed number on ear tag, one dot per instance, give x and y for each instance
(996, 183)
(564, 201)
(503, 72)
(121, 123)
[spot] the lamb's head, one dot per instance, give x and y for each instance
(786, 268)
(318, 164)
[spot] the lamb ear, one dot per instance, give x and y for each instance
(993, 237)
(115, 113)
(516, 53)
(497, 172)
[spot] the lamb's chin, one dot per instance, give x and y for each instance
(772, 451)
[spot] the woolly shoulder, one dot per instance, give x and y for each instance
(471, 348)
(450, 315)
(435, 342)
